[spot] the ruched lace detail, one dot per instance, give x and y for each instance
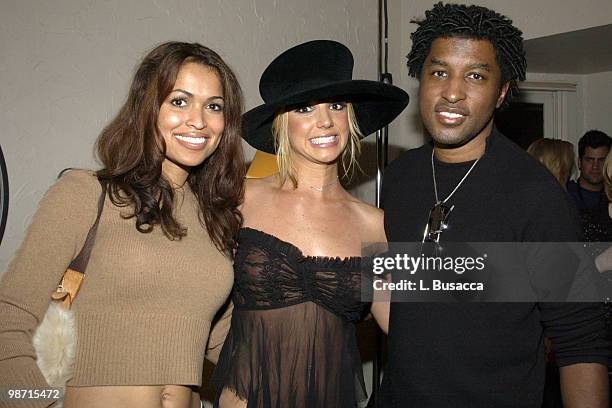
(292, 340)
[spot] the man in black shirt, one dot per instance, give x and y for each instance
(468, 60)
(587, 191)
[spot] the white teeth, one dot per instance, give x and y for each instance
(323, 140)
(451, 115)
(193, 140)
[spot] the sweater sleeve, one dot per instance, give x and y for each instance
(54, 237)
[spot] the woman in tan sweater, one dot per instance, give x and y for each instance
(160, 268)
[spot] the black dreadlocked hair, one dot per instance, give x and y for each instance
(475, 22)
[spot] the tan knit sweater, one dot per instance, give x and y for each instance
(144, 311)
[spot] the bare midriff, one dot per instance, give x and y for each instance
(132, 396)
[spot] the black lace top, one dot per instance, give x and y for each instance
(292, 339)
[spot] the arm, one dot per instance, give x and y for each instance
(577, 330)
(378, 244)
(584, 385)
(56, 234)
(380, 311)
(578, 336)
(219, 332)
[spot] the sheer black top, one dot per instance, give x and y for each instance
(292, 338)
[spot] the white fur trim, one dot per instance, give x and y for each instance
(55, 344)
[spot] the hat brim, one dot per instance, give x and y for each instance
(375, 104)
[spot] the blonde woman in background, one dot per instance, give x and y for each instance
(607, 173)
(556, 155)
(604, 261)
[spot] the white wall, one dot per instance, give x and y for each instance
(66, 66)
(598, 102)
(575, 101)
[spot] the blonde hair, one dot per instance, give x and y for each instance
(280, 132)
(607, 175)
(556, 155)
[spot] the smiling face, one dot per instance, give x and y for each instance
(460, 88)
(191, 120)
(318, 133)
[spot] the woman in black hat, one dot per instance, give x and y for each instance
(297, 268)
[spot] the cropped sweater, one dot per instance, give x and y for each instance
(144, 311)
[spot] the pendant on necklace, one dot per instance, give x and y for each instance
(437, 222)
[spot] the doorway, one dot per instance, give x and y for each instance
(522, 122)
(540, 110)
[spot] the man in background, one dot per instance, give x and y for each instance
(587, 191)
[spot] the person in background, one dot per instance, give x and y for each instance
(161, 265)
(556, 155)
(587, 191)
(604, 260)
(607, 177)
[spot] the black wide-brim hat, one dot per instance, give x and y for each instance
(317, 71)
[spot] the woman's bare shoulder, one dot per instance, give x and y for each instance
(371, 218)
(254, 187)
(367, 210)
(258, 193)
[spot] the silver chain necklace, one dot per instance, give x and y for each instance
(438, 215)
(323, 187)
(433, 172)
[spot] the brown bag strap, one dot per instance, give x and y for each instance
(79, 263)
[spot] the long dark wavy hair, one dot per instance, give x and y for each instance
(132, 150)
